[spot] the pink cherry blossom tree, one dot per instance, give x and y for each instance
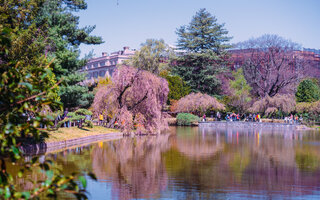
(198, 104)
(135, 98)
(271, 105)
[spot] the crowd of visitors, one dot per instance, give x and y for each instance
(293, 119)
(255, 117)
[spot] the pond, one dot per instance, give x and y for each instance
(201, 163)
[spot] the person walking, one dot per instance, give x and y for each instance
(65, 116)
(217, 116)
(227, 117)
(204, 117)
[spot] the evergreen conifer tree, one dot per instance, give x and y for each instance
(308, 91)
(203, 45)
(65, 37)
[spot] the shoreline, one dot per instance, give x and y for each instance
(263, 123)
(241, 124)
(53, 144)
(93, 137)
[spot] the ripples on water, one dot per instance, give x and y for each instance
(206, 163)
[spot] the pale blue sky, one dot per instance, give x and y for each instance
(131, 22)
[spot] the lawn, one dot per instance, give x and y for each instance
(74, 132)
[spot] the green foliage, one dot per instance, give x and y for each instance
(200, 72)
(240, 99)
(306, 159)
(83, 112)
(73, 94)
(239, 84)
(28, 89)
(153, 56)
(78, 116)
(205, 55)
(308, 91)
(88, 123)
(186, 119)
(202, 34)
(64, 38)
(239, 163)
(177, 87)
(310, 112)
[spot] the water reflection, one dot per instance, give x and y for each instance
(193, 163)
(134, 165)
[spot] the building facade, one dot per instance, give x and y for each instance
(105, 65)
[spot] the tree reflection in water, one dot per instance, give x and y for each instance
(134, 165)
(252, 161)
(203, 163)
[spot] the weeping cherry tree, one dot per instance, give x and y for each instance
(135, 98)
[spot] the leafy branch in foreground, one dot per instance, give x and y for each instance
(28, 90)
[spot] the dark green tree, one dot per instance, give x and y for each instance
(177, 87)
(204, 55)
(73, 94)
(308, 91)
(64, 38)
(203, 34)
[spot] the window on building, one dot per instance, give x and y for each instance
(102, 73)
(111, 71)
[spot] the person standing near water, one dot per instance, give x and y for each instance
(218, 116)
(258, 118)
(100, 119)
(65, 116)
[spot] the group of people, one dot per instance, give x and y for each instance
(293, 119)
(255, 117)
(232, 117)
(238, 117)
(218, 117)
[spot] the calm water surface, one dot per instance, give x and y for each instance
(201, 163)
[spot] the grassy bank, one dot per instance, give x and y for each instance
(63, 134)
(315, 127)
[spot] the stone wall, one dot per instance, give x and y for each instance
(43, 148)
